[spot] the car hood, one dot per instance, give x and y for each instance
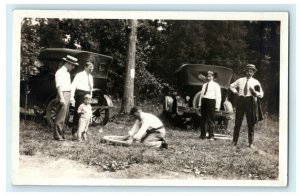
(195, 74)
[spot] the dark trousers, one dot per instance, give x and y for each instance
(79, 98)
(244, 105)
(62, 113)
(208, 117)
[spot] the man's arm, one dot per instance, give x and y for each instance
(258, 93)
(201, 95)
(142, 131)
(218, 97)
(74, 87)
(233, 87)
(59, 80)
(134, 128)
(92, 84)
(60, 95)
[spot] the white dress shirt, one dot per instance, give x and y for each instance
(147, 121)
(82, 81)
(240, 84)
(63, 79)
(213, 92)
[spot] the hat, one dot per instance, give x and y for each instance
(71, 59)
(210, 73)
(250, 66)
(88, 96)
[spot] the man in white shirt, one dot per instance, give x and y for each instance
(81, 85)
(63, 85)
(147, 129)
(209, 103)
(247, 90)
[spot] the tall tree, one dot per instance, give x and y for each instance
(128, 95)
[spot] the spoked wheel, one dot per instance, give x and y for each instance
(51, 111)
(100, 115)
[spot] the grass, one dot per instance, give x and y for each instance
(187, 156)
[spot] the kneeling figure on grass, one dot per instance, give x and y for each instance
(147, 129)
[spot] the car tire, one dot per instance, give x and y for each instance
(100, 115)
(51, 111)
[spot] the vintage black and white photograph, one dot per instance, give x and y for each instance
(150, 98)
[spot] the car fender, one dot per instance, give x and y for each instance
(196, 99)
(168, 104)
(108, 101)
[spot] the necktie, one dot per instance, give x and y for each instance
(206, 89)
(246, 88)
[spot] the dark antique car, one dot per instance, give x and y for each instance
(183, 104)
(41, 91)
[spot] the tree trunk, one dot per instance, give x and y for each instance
(128, 95)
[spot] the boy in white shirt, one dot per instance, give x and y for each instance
(85, 113)
(209, 103)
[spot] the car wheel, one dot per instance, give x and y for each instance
(51, 111)
(100, 114)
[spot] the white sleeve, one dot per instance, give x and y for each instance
(59, 79)
(74, 86)
(142, 131)
(134, 129)
(218, 96)
(234, 85)
(259, 94)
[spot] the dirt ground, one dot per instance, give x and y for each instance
(39, 166)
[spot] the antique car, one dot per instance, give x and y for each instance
(182, 105)
(39, 94)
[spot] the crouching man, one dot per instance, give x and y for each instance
(147, 129)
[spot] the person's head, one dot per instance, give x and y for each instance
(70, 62)
(87, 99)
(89, 67)
(210, 75)
(136, 112)
(250, 70)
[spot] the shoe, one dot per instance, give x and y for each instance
(233, 143)
(60, 139)
(211, 138)
(201, 137)
(251, 146)
(164, 145)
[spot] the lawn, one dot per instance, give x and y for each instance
(186, 157)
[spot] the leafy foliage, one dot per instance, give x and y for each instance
(163, 45)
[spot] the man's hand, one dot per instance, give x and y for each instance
(217, 109)
(253, 92)
(72, 102)
(62, 101)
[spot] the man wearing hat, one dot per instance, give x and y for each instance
(81, 85)
(209, 103)
(247, 89)
(63, 86)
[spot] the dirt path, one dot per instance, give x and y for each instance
(39, 166)
(42, 166)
